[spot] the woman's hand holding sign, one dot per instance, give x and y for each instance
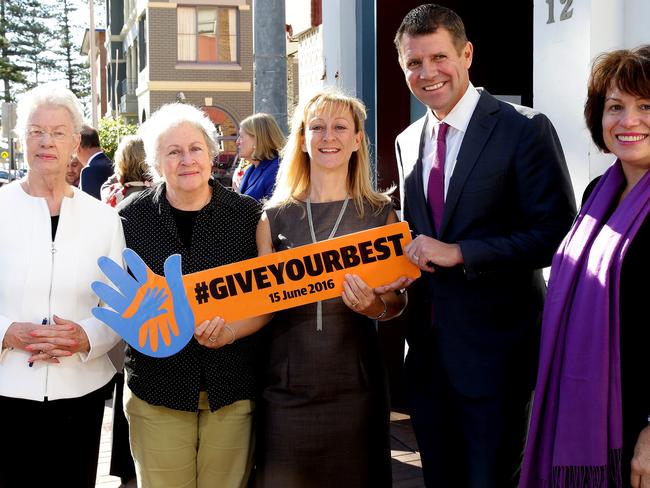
(378, 303)
(146, 306)
(214, 333)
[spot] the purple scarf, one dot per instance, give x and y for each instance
(575, 436)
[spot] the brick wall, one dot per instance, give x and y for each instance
(163, 53)
(163, 61)
(239, 105)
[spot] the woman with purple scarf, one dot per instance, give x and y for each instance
(589, 425)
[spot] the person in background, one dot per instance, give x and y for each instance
(190, 414)
(486, 190)
(589, 423)
(73, 170)
(259, 142)
(324, 412)
(97, 167)
(238, 173)
(53, 360)
(131, 172)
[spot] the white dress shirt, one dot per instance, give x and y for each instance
(458, 120)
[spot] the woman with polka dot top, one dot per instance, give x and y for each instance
(190, 414)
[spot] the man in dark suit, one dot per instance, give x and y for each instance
(97, 166)
(485, 188)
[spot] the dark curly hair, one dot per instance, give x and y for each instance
(626, 69)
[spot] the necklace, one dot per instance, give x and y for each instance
(319, 305)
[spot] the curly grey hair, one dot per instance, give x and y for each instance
(51, 94)
(170, 116)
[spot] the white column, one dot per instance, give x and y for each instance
(339, 44)
(93, 64)
(564, 49)
(637, 15)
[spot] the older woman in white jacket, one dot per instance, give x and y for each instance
(53, 362)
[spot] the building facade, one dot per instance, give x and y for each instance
(199, 52)
(99, 66)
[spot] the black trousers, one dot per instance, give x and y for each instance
(121, 460)
(464, 442)
(51, 443)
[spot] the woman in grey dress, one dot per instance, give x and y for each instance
(324, 412)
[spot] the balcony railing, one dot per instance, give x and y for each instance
(128, 86)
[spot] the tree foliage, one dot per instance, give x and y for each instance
(111, 132)
(39, 41)
(33, 50)
(12, 73)
(76, 71)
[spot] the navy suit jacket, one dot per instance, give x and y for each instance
(509, 204)
(259, 181)
(95, 174)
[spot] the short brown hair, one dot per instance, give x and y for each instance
(626, 69)
(268, 136)
(427, 19)
(89, 137)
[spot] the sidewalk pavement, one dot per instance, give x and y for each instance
(407, 469)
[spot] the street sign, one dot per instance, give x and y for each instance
(4, 154)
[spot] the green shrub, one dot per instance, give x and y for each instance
(111, 132)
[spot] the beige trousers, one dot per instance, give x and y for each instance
(178, 449)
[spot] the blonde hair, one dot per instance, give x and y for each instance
(268, 136)
(293, 178)
(130, 162)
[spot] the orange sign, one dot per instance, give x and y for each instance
(300, 275)
(150, 309)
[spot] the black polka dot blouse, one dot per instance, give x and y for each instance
(224, 232)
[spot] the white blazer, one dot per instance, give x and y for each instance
(40, 278)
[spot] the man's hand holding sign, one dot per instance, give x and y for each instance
(157, 315)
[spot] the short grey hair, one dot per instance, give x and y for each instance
(43, 95)
(169, 117)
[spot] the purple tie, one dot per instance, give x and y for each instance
(436, 185)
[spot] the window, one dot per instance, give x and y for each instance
(207, 34)
(142, 41)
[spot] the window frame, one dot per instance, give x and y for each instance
(216, 62)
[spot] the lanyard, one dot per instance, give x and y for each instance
(319, 305)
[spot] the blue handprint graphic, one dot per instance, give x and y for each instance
(146, 306)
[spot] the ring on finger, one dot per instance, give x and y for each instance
(212, 339)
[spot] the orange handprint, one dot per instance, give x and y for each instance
(146, 306)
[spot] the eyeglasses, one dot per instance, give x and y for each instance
(37, 134)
